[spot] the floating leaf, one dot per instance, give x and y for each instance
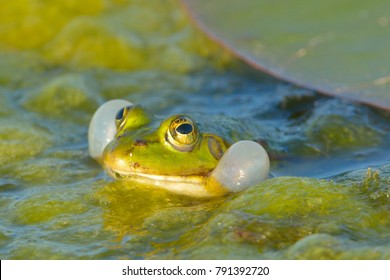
(339, 48)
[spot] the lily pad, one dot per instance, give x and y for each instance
(335, 47)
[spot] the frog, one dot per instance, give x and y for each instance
(173, 153)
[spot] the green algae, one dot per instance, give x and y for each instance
(33, 17)
(335, 131)
(56, 202)
(42, 208)
(64, 96)
(297, 223)
(21, 140)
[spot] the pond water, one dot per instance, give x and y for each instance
(329, 195)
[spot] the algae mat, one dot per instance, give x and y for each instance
(60, 60)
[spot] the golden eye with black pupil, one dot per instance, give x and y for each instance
(182, 134)
(121, 115)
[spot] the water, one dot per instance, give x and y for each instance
(57, 203)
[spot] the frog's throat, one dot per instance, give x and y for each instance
(192, 185)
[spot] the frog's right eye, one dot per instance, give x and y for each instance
(121, 116)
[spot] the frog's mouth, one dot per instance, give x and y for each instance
(126, 175)
(193, 185)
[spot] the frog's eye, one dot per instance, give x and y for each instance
(182, 134)
(121, 116)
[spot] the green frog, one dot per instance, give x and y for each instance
(171, 153)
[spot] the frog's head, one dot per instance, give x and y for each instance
(172, 151)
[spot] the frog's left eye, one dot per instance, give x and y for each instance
(182, 134)
(121, 115)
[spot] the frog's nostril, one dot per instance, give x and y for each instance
(118, 176)
(140, 142)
